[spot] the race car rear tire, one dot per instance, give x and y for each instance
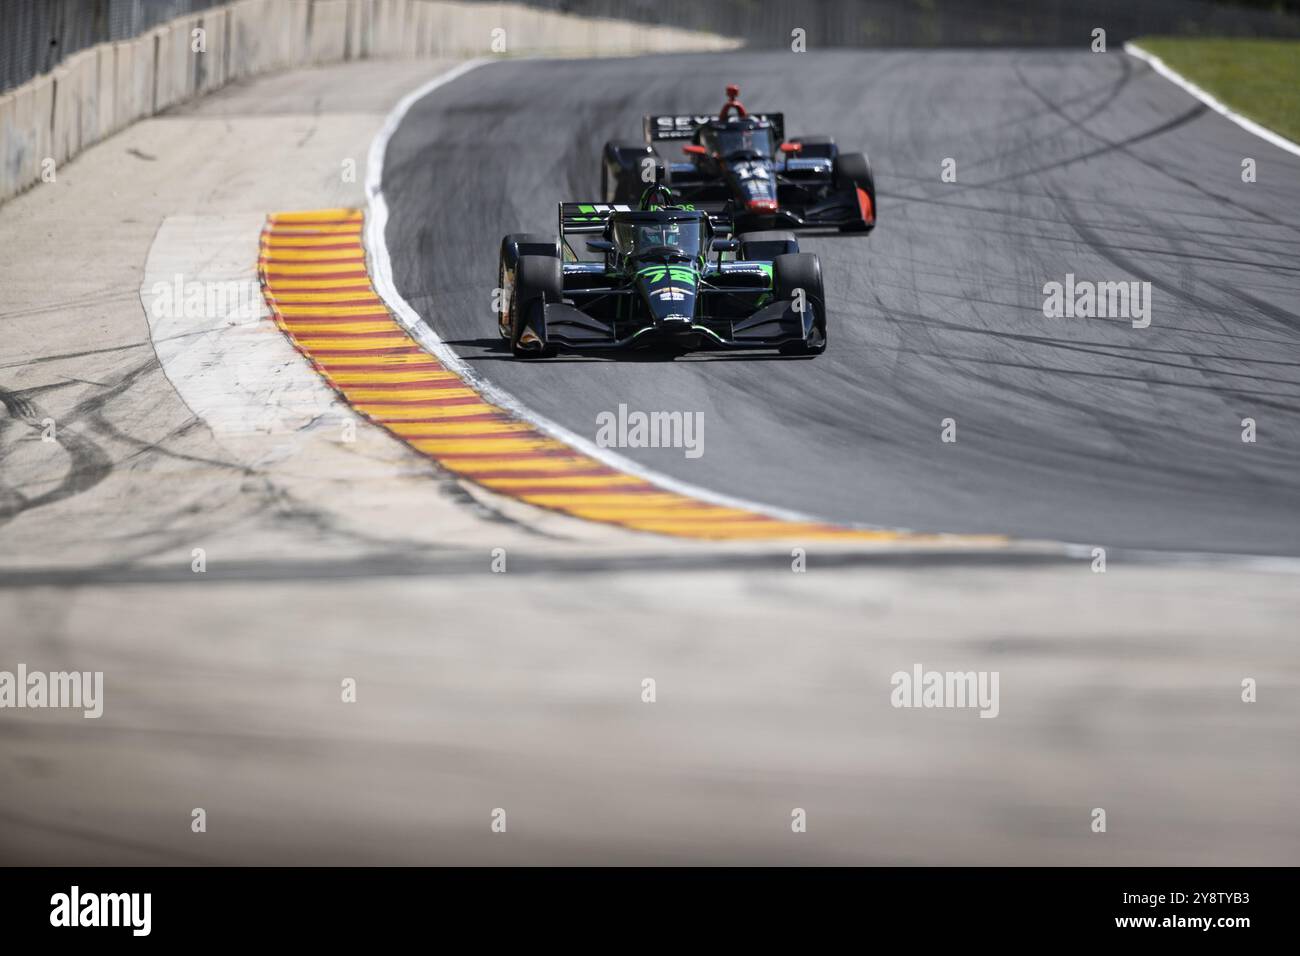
(802, 271)
(512, 247)
(620, 171)
(852, 171)
(538, 279)
(767, 244)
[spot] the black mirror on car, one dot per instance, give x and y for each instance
(725, 245)
(600, 245)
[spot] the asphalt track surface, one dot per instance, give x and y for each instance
(1083, 430)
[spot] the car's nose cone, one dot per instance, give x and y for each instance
(669, 293)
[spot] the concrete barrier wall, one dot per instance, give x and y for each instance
(100, 90)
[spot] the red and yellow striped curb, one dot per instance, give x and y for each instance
(313, 271)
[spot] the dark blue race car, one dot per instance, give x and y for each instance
(745, 158)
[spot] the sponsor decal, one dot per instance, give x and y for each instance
(673, 273)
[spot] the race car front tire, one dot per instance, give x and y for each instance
(852, 174)
(538, 280)
(798, 277)
(512, 247)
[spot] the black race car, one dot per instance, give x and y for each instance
(660, 273)
(744, 157)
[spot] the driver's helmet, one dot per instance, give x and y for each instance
(656, 196)
(743, 128)
(660, 234)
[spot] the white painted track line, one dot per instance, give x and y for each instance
(1250, 126)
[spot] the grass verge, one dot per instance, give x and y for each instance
(1259, 79)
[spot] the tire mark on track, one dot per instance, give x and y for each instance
(88, 462)
(1110, 94)
(1125, 144)
(1098, 244)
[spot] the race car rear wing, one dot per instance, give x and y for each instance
(587, 216)
(590, 217)
(679, 127)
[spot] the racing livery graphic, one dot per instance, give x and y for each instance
(663, 277)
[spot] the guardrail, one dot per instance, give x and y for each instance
(103, 88)
(37, 35)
